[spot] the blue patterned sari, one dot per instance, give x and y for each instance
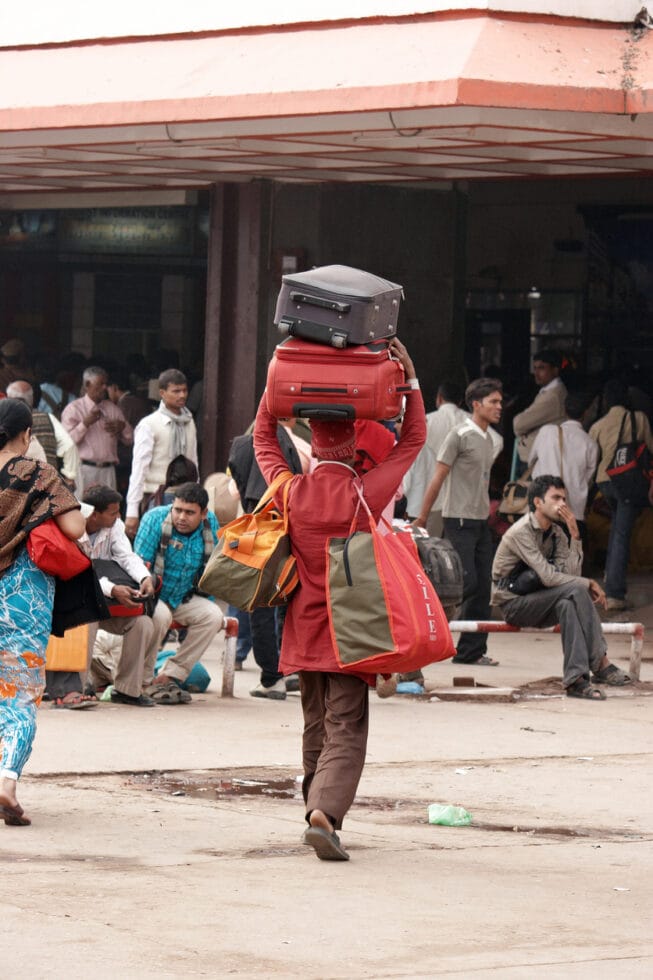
(30, 493)
(26, 597)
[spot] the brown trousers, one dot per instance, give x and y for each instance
(336, 713)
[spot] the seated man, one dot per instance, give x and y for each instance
(538, 542)
(107, 540)
(176, 542)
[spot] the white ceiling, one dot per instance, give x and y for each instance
(441, 144)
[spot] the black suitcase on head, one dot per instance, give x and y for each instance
(338, 305)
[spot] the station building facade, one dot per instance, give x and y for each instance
(493, 159)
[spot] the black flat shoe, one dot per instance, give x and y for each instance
(142, 701)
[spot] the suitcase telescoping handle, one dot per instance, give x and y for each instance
(291, 326)
(328, 413)
(325, 304)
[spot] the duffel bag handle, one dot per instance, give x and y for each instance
(266, 503)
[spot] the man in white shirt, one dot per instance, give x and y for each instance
(158, 439)
(548, 407)
(107, 540)
(439, 424)
(567, 451)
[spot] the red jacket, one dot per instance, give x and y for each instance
(321, 505)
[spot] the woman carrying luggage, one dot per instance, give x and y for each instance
(321, 505)
(30, 493)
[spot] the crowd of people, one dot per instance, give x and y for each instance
(535, 575)
(120, 473)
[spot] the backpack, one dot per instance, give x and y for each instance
(443, 566)
(630, 470)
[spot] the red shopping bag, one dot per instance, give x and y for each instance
(384, 614)
(54, 553)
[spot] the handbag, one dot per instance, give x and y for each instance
(514, 498)
(384, 614)
(630, 468)
(523, 580)
(54, 553)
(109, 568)
(252, 564)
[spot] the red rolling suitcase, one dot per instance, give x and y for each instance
(312, 381)
(338, 305)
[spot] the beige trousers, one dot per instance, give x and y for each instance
(203, 619)
(127, 675)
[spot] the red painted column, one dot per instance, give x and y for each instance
(235, 260)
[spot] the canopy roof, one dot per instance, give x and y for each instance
(451, 96)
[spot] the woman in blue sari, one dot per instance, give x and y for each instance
(30, 493)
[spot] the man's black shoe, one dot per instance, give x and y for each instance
(483, 661)
(142, 701)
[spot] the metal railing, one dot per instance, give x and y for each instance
(634, 630)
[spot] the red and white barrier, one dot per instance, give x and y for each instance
(634, 630)
(229, 662)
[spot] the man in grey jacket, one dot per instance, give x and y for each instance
(548, 406)
(556, 592)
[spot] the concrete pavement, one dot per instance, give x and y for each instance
(119, 877)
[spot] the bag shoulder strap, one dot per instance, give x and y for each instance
(164, 541)
(560, 443)
(209, 543)
(358, 487)
(520, 480)
(267, 500)
(57, 407)
(622, 427)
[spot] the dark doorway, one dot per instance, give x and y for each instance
(498, 338)
(498, 344)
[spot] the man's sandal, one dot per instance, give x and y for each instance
(583, 689)
(611, 675)
(169, 693)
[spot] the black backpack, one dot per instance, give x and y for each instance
(442, 564)
(630, 469)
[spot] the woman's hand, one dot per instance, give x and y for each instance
(402, 355)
